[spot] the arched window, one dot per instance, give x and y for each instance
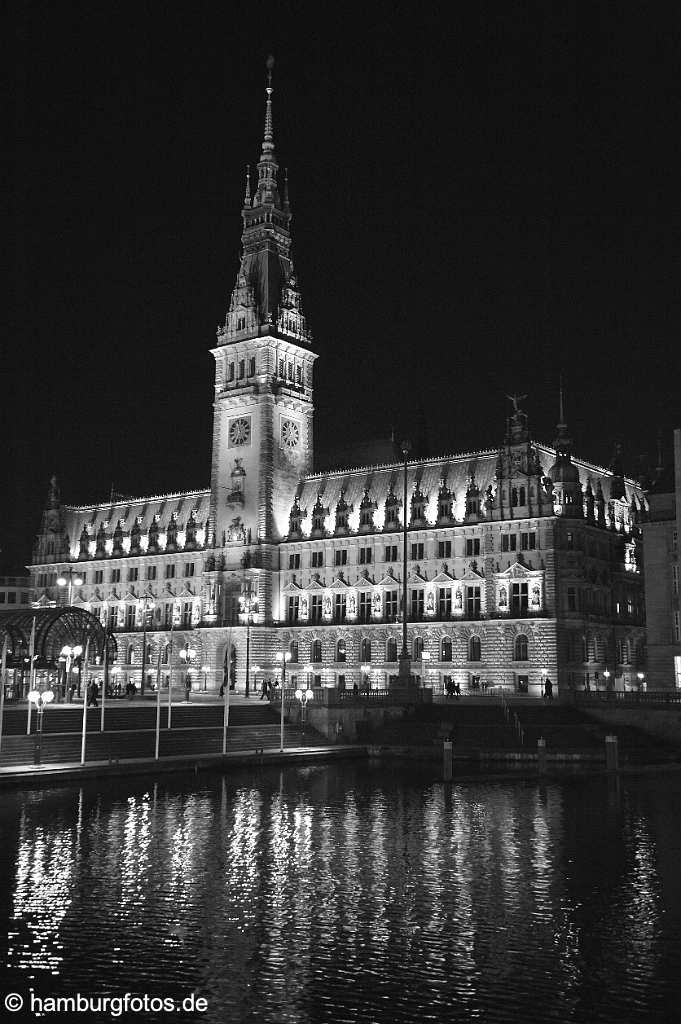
(166, 654)
(474, 649)
(417, 648)
(340, 650)
(391, 650)
(148, 655)
(446, 650)
(514, 496)
(316, 652)
(131, 654)
(293, 650)
(365, 650)
(520, 652)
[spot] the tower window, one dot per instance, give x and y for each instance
(290, 371)
(230, 374)
(299, 375)
(242, 369)
(251, 367)
(282, 371)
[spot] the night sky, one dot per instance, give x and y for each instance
(483, 195)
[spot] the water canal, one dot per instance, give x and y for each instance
(347, 894)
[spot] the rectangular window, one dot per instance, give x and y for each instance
(294, 561)
(569, 540)
(113, 616)
(509, 542)
(3, 597)
(281, 368)
(472, 546)
(129, 616)
(317, 560)
(133, 574)
(417, 551)
(572, 599)
(115, 575)
(83, 576)
(293, 606)
(151, 572)
(290, 371)
(390, 553)
(230, 375)
(168, 615)
(472, 602)
(444, 549)
(242, 369)
(188, 570)
(416, 603)
(391, 605)
(341, 556)
(170, 571)
(365, 606)
(365, 556)
(444, 602)
(675, 541)
(251, 367)
(339, 602)
(316, 608)
(99, 575)
(675, 580)
(519, 599)
(299, 376)
(528, 541)
(677, 627)
(186, 613)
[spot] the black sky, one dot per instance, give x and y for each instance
(483, 195)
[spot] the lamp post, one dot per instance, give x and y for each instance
(303, 696)
(426, 656)
(40, 700)
(205, 669)
(366, 677)
(606, 676)
(255, 669)
(69, 654)
(641, 681)
(283, 657)
(187, 655)
(146, 603)
(405, 661)
(309, 670)
(70, 578)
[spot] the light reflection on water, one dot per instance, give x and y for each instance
(350, 894)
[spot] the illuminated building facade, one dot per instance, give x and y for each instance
(522, 561)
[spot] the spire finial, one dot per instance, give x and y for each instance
(560, 388)
(286, 200)
(247, 195)
(267, 143)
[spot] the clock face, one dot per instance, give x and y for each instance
(290, 434)
(239, 432)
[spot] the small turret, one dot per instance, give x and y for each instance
(564, 474)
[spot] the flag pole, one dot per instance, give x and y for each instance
(3, 681)
(106, 680)
(84, 689)
(31, 652)
(170, 677)
(158, 702)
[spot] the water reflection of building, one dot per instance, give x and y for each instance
(523, 561)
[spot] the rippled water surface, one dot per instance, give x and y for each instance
(348, 894)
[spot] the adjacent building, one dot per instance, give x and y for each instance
(661, 529)
(523, 562)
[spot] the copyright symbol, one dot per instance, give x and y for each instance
(13, 1002)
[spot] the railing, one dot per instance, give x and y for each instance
(628, 697)
(512, 720)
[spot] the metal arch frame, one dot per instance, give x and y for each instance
(53, 628)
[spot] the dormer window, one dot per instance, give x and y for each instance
(342, 512)
(319, 514)
(241, 323)
(418, 506)
(392, 504)
(295, 519)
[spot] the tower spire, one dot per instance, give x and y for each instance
(247, 194)
(267, 165)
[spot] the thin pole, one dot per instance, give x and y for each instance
(248, 651)
(283, 683)
(84, 689)
(225, 719)
(158, 704)
(170, 677)
(3, 681)
(106, 681)
(144, 644)
(31, 653)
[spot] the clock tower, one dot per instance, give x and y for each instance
(263, 431)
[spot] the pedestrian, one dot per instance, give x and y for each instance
(339, 731)
(457, 689)
(222, 690)
(263, 689)
(548, 689)
(187, 688)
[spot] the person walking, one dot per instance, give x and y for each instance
(187, 688)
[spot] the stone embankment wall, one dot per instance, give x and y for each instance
(662, 723)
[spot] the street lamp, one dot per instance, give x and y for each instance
(283, 657)
(641, 678)
(426, 656)
(187, 655)
(366, 677)
(69, 654)
(255, 669)
(606, 676)
(70, 578)
(303, 696)
(40, 700)
(405, 662)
